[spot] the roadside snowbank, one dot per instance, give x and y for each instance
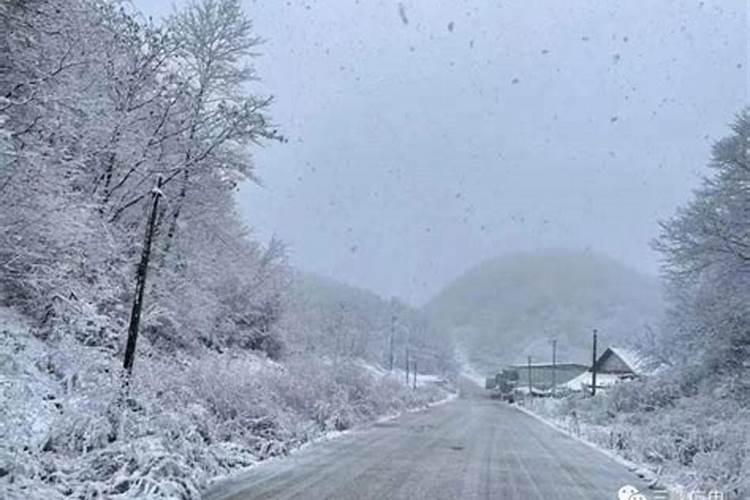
(574, 432)
(602, 438)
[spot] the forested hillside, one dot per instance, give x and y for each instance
(510, 307)
(327, 317)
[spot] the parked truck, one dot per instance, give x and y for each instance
(502, 386)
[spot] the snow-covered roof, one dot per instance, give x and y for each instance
(636, 361)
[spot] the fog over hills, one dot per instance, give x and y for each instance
(336, 320)
(507, 308)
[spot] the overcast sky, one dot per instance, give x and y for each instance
(428, 135)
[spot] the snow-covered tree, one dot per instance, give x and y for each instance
(96, 103)
(214, 40)
(706, 249)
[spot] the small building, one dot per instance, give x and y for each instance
(544, 375)
(615, 365)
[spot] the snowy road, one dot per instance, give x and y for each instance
(470, 448)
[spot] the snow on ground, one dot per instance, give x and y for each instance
(578, 431)
(374, 369)
(399, 375)
(11, 320)
(423, 379)
(584, 380)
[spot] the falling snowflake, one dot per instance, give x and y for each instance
(402, 13)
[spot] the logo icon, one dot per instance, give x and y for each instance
(711, 495)
(629, 492)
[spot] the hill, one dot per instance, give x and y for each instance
(510, 307)
(333, 319)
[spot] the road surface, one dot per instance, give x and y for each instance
(470, 448)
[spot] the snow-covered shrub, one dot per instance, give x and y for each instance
(645, 395)
(182, 423)
(337, 396)
(329, 395)
(721, 463)
(699, 441)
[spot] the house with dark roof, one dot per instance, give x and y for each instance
(615, 365)
(623, 362)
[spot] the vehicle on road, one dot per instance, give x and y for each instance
(502, 386)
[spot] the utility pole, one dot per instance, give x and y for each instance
(407, 363)
(529, 365)
(415, 374)
(390, 342)
(593, 368)
(140, 285)
(338, 332)
(554, 366)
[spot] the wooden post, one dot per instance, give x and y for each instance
(593, 367)
(407, 364)
(530, 386)
(140, 284)
(390, 342)
(554, 367)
